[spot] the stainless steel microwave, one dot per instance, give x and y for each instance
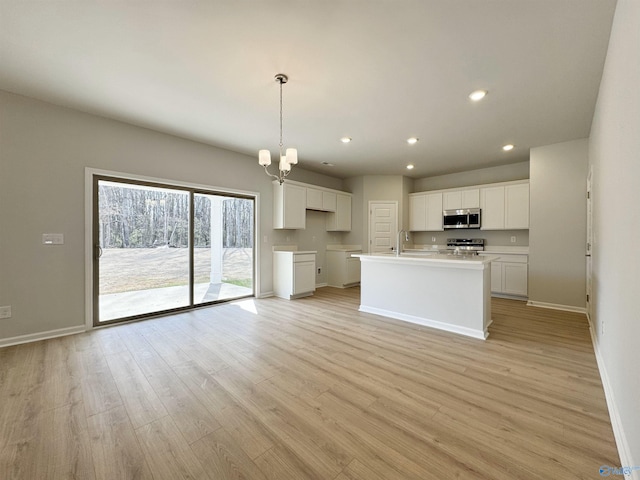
(462, 218)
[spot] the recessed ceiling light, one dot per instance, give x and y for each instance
(345, 139)
(412, 140)
(477, 95)
(506, 148)
(410, 166)
(327, 164)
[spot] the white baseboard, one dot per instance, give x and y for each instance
(624, 450)
(557, 306)
(469, 332)
(320, 285)
(35, 337)
(265, 294)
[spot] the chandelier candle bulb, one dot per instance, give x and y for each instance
(292, 156)
(284, 165)
(264, 158)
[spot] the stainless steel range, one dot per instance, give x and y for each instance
(464, 246)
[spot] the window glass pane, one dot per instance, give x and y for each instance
(144, 238)
(223, 247)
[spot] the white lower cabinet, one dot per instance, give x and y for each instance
(509, 275)
(343, 270)
(294, 274)
(514, 278)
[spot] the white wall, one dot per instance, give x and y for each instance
(44, 150)
(557, 225)
(614, 153)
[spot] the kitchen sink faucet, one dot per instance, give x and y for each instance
(406, 239)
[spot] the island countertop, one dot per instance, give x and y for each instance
(433, 259)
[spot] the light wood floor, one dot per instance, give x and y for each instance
(307, 389)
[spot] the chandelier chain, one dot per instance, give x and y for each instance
(280, 82)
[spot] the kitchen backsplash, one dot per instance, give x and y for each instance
(492, 237)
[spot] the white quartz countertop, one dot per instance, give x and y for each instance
(506, 250)
(488, 249)
(434, 260)
(344, 248)
(296, 251)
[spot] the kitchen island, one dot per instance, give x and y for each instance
(447, 292)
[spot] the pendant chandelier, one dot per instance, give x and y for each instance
(290, 157)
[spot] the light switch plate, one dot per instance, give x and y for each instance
(5, 312)
(53, 239)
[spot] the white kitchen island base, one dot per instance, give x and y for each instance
(438, 291)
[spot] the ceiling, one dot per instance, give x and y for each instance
(378, 71)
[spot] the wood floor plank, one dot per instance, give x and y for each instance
(223, 458)
(279, 463)
(138, 396)
(115, 449)
(168, 454)
(190, 415)
(293, 432)
(70, 444)
(247, 430)
(99, 390)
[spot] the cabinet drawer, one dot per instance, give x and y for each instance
(304, 257)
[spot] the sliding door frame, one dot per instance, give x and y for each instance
(92, 176)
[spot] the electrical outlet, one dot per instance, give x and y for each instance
(433, 239)
(513, 239)
(5, 312)
(319, 270)
(602, 327)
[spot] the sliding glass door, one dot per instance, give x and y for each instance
(161, 248)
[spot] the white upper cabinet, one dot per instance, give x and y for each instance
(418, 213)
(452, 200)
(321, 200)
(340, 220)
(516, 206)
(434, 212)
(457, 199)
(505, 207)
(292, 199)
(425, 212)
(289, 206)
(471, 198)
(329, 201)
(314, 199)
(492, 205)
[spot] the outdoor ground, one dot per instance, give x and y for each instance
(129, 269)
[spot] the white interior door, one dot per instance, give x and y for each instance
(589, 241)
(383, 226)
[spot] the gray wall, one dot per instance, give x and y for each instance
(557, 231)
(503, 173)
(614, 153)
(44, 150)
(373, 188)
